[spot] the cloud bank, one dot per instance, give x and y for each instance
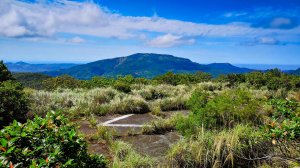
(21, 19)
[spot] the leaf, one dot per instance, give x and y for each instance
(3, 142)
(3, 149)
(11, 165)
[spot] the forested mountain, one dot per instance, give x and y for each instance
(26, 67)
(145, 65)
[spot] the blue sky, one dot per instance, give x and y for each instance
(234, 31)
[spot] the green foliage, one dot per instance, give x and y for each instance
(31, 80)
(13, 103)
(273, 79)
(126, 157)
(285, 121)
(225, 110)
(122, 86)
(98, 81)
(182, 78)
(4, 73)
(64, 81)
(45, 142)
(227, 148)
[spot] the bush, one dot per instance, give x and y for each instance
(122, 86)
(229, 108)
(45, 142)
(13, 103)
(285, 122)
(64, 81)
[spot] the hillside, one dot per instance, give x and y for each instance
(145, 65)
(26, 67)
(31, 80)
(294, 72)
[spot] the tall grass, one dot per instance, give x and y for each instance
(101, 101)
(228, 148)
(125, 156)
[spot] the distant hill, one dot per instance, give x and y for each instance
(32, 80)
(294, 72)
(26, 67)
(145, 65)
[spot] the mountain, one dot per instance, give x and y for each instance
(26, 67)
(294, 72)
(145, 65)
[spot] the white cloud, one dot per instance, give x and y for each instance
(279, 22)
(170, 40)
(233, 14)
(267, 40)
(76, 40)
(20, 19)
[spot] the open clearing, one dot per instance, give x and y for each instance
(128, 128)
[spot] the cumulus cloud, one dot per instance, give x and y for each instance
(21, 19)
(170, 40)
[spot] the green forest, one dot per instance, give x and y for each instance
(234, 120)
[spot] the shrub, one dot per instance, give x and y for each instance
(122, 86)
(13, 103)
(45, 142)
(225, 110)
(64, 81)
(285, 121)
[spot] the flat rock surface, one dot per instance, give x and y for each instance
(152, 145)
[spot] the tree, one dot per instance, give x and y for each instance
(64, 81)
(4, 73)
(13, 103)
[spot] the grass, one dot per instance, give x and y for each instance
(101, 101)
(161, 126)
(228, 148)
(222, 131)
(125, 156)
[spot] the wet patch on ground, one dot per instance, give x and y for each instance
(152, 145)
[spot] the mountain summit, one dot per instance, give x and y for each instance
(145, 65)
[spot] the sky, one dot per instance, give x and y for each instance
(79, 31)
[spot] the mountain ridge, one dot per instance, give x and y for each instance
(145, 65)
(21, 66)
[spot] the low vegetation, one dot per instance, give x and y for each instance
(45, 142)
(236, 120)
